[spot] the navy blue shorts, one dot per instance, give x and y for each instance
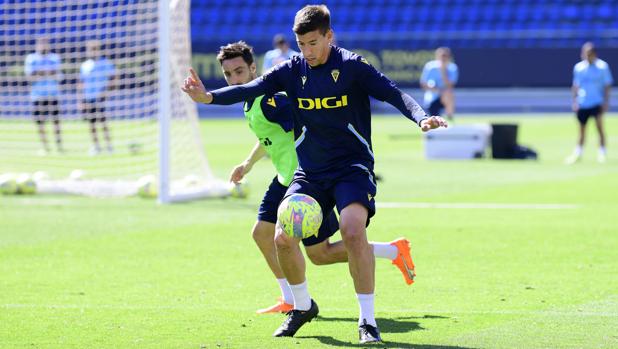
(268, 213)
(584, 114)
(44, 108)
(94, 109)
(357, 184)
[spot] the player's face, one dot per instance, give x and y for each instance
(43, 46)
(315, 46)
(588, 55)
(442, 56)
(237, 72)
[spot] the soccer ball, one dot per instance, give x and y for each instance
(239, 190)
(300, 216)
(8, 185)
(134, 147)
(147, 186)
(25, 184)
(77, 175)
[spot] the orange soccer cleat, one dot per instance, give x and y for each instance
(279, 307)
(403, 261)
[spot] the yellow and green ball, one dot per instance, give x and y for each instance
(300, 216)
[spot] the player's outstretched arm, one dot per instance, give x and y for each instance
(194, 87)
(433, 122)
(239, 172)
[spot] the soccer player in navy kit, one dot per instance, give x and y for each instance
(270, 119)
(330, 88)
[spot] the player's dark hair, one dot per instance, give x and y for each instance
(310, 18)
(236, 49)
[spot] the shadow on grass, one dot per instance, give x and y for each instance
(401, 324)
(387, 344)
(396, 325)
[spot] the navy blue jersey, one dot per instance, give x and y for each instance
(332, 115)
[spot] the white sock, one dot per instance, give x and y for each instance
(302, 300)
(365, 301)
(602, 150)
(578, 150)
(286, 292)
(384, 250)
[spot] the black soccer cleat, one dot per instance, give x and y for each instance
(295, 320)
(368, 333)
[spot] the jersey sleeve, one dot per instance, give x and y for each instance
(424, 74)
(278, 109)
(267, 62)
(29, 65)
(268, 84)
(111, 69)
(607, 77)
(382, 88)
(454, 74)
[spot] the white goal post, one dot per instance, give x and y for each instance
(90, 99)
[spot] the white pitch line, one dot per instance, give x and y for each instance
(472, 205)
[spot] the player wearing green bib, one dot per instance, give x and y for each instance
(270, 119)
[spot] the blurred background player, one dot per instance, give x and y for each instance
(281, 52)
(97, 74)
(592, 81)
(43, 69)
(270, 119)
(438, 79)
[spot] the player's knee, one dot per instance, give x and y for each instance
(260, 234)
(282, 241)
(318, 255)
(351, 231)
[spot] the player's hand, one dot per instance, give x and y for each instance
(432, 123)
(575, 107)
(194, 87)
(239, 172)
(604, 108)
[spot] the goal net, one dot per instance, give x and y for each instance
(90, 98)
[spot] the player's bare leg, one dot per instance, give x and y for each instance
(601, 129)
(360, 253)
(43, 136)
(292, 263)
(362, 268)
(95, 139)
(106, 134)
(577, 153)
(290, 257)
(58, 134)
(447, 98)
(397, 251)
(327, 253)
(263, 234)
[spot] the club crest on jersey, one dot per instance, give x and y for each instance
(271, 102)
(335, 74)
(303, 79)
(322, 103)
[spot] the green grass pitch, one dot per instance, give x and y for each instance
(128, 273)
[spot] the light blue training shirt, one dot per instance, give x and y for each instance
(276, 56)
(47, 86)
(433, 78)
(591, 80)
(95, 76)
